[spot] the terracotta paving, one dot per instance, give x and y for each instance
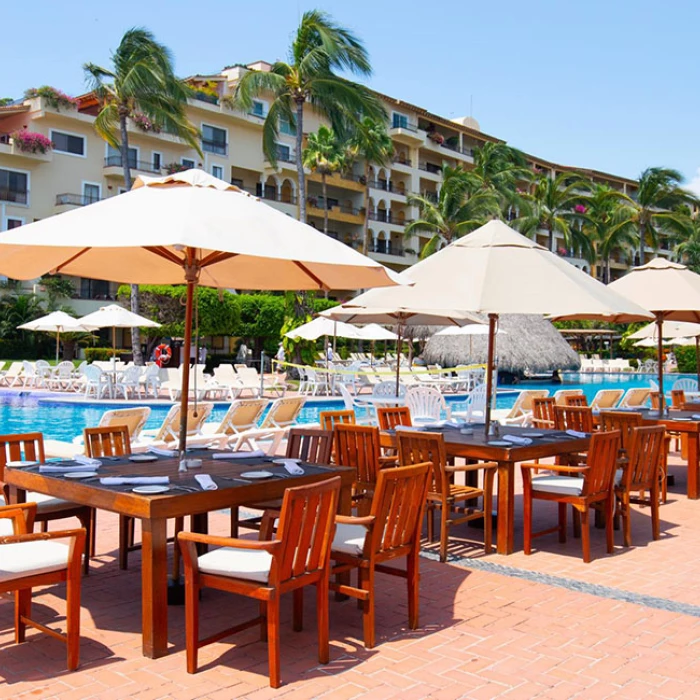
(485, 632)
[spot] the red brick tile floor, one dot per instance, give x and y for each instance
(543, 626)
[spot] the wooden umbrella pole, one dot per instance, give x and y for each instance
(697, 356)
(493, 318)
(58, 340)
(399, 343)
(191, 277)
(660, 353)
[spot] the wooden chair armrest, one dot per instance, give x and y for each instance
(22, 515)
(471, 467)
(388, 461)
(367, 520)
(34, 536)
(554, 467)
(542, 423)
(270, 546)
(267, 524)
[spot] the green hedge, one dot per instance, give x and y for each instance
(686, 358)
(102, 354)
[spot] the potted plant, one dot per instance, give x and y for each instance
(31, 142)
(53, 97)
(436, 137)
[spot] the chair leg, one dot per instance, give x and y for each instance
(298, 610)
(322, 590)
(23, 608)
(444, 530)
(608, 510)
(368, 612)
(626, 519)
(655, 511)
(562, 522)
(431, 522)
(273, 640)
(93, 532)
(179, 527)
(234, 521)
(73, 621)
(527, 523)
(488, 505)
(125, 524)
(412, 579)
(585, 535)
(86, 522)
(191, 625)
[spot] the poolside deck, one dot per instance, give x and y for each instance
(544, 626)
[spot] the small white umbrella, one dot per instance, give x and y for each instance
(321, 326)
(114, 316)
(58, 322)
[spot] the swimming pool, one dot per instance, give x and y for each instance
(63, 420)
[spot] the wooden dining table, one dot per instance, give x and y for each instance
(477, 446)
(184, 498)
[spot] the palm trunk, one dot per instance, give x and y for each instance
(124, 148)
(642, 236)
(324, 189)
(365, 227)
(607, 269)
(550, 229)
(300, 165)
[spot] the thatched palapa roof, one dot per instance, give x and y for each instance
(528, 343)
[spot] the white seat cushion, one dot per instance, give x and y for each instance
(28, 558)
(45, 504)
(249, 564)
(349, 539)
(566, 485)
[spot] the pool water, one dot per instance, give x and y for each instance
(64, 420)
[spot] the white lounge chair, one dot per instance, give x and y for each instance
(521, 413)
(12, 375)
(560, 396)
(242, 415)
(634, 398)
(169, 431)
(606, 398)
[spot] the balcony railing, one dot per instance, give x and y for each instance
(143, 165)
(76, 200)
(215, 147)
(401, 160)
(16, 196)
(334, 207)
(387, 248)
(206, 97)
(430, 168)
(408, 126)
(464, 151)
(385, 186)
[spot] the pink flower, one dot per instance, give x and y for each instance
(580, 209)
(31, 142)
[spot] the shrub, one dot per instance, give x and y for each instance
(172, 168)
(54, 98)
(686, 358)
(31, 142)
(103, 354)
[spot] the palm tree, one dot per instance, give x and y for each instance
(688, 250)
(325, 155)
(141, 82)
(461, 207)
(501, 167)
(651, 213)
(370, 142)
(553, 202)
(320, 46)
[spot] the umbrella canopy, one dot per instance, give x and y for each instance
(321, 326)
(187, 227)
(114, 316)
(467, 330)
(496, 270)
(373, 331)
(669, 329)
(670, 290)
(58, 322)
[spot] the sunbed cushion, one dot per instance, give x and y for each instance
(249, 564)
(27, 558)
(349, 539)
(566, 485)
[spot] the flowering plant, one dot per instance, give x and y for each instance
(563, 252)
(580, 209)
(31, 142)
(144, 123)
(436, 137)
(54, 98)
(171, 168)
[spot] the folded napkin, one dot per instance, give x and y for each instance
(696, 416)
(63, 469)
(517, 440)
(162, 451)
(399, 428)
(87, 461)
(576, 433)
(135, 480)
(434, 424)
(254, 454)
(206, 482)
(291, 466)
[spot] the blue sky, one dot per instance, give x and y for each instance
(610, 85)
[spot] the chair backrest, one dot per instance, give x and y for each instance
(686, 384)
(543, 412)
(645, 446)
(389, 417)
(523, 403)
(574, 418)
(21, 446)
(197, 414)
(575, 400)
(64, 370)
(43, 368)
(306, 528)
(242, 414)
(476, 401)
(418, 447)
(283, 412)
(388, 388)
(328, 419)
(607, 398)
(654, 399)
(560, 396)
(623, 421)
(310, 445)
(93, 373)
(677, 398)
(358, 446)
(28, 368)
(131, 375)
(14, 369)
(133, 418)
(397, 506)
(107, 442)
(224, 372)
(602, 462)
(425, 402)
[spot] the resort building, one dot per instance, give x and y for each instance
(80, 168)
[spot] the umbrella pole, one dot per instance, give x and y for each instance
(660, 354)
(697, 356)
(399, 343)
(489, 370)
(185, 388)
(58, 338)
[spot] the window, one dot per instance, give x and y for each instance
(213, 139)
(67, 143)
(94, 289)
(14, 186)
(399, 121)
(286, 127)
(14, 223)
(188, 162)
(114, 157)
(258, 108)
(217, 171)
(91, 193)
(157, 161)
(284, 153)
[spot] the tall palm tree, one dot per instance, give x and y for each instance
(325, 155)
(461, 207)
(320, 47)
(553, 202)
(650, 214)
(371, 142)
(688, 250)
(142, 81)
(502, 168)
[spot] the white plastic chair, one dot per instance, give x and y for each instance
(129, 381)
(690, 386)
(426, 404)
(96, 381)
(387, 389)
(62, 376)
(151, 380)
(476, 405)
(13, 375)
(29, 375)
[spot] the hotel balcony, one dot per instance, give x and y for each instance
(113, 167)
(14, 196)
(406, 132)
(65, 202)
(338, 212)
(9, 148)
(346, 181)
(401, 162)
(387, 217)
(388, 187)
(286, 160)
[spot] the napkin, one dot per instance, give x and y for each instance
(65, 469)
(291, 466)
(135, 480)
(162, 451)
(87, 461)
(696, 416)
(399, 428)
(206, 482)
(517, 440)
(254, 454)
(434, 424)
(576, 433)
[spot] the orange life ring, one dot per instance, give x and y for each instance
(163, 354)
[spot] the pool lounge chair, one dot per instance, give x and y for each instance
(13, 375)
(521, 413)
(242, 415)
(560, 396)
(634, 398)
(606, 398)
(169, 431)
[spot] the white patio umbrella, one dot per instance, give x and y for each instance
(373, 331)
(470, 331)
(58, 322)
(675, 332)
(114, 316)
(670, 291)
(321, 326)
(495, 270)
(188, 228)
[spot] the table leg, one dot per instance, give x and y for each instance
(154, 587)
(693, 466)
(506, 498)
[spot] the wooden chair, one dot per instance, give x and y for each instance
(419, 447)
(677, 398)
(30, 446)
(30, 559)
(543, 412)
(579, 418)
(390, 531)
(298, 556)
(329, 419)
(654, 400)
(641, 475)
(391, 416)
(582, 487)
(575, 400)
